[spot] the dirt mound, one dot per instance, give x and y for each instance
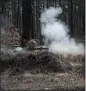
(41, 62)
(35, 61)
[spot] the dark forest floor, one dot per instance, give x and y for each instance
(32, 80)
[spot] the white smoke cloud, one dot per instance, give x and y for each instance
(55, 33)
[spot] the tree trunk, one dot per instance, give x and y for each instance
(26, 19)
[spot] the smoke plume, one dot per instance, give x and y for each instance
(55, 33)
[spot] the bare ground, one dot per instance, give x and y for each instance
(44, 81)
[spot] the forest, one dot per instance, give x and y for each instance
(42, 45)
(16, 12)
